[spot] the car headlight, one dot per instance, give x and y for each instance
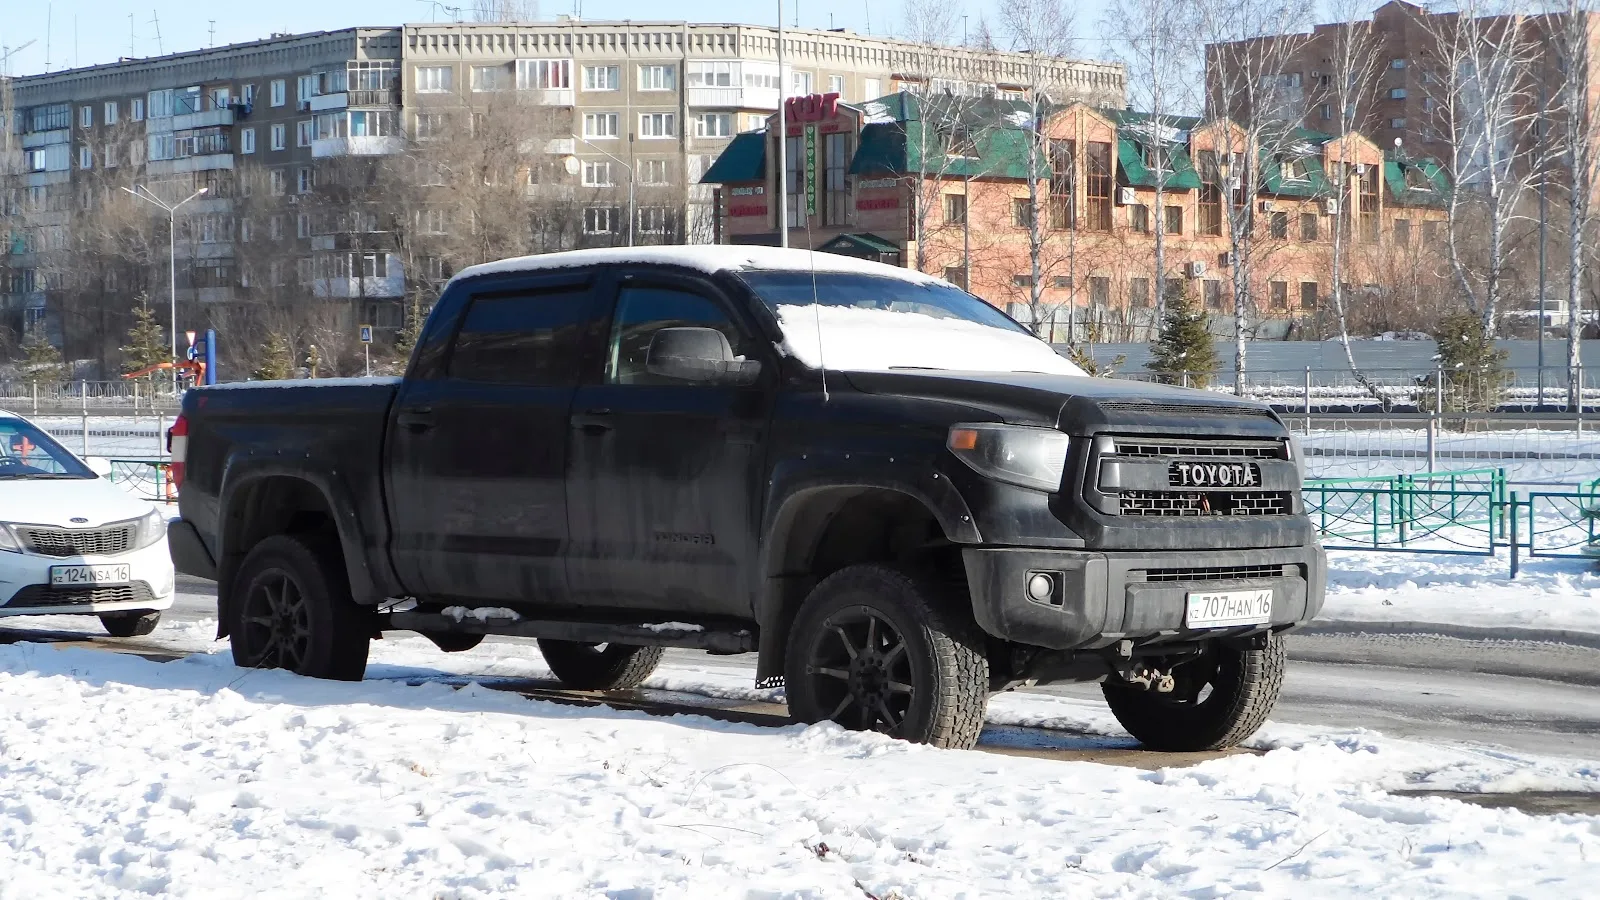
(151, 528)
(1024, 456)
(8, 539)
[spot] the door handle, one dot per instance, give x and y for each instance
(593, 421)
(416, 420)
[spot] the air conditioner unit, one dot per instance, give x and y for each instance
(1361, 168)
(294, 198)
(1332, 206)
(1127, 196)
(1266, 206)
(1196, 269)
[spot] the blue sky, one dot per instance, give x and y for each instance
(87, 32)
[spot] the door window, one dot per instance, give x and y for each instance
(643, 311)
(522, 338)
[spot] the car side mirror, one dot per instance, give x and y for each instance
(99, 465)
(700, 355)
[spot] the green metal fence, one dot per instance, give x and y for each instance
(148, 478)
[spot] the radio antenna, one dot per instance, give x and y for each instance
(816, 302)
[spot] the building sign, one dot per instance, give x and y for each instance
(869, 184)
(756, 191)
(747, 209)
(814, 108)
(878, 203)
(811, 170)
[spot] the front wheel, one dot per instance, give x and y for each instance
(873, 649)
(131, 624)
(1219, 699)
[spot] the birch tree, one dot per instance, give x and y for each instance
(1573, 39)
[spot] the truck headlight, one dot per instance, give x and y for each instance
(151, 528)
(1016, 454)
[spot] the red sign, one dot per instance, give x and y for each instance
(814, 108)
(879, 203)
(747, 209)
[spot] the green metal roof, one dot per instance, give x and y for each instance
(895, 138)
(744, 159)
(1313, 182)
(859, 244)
(1132, 170)
(1422, 171)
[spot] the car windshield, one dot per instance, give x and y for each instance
(875, 323)
(27, 452)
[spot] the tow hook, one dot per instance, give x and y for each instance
(1149, 679)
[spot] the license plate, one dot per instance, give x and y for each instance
(88, 576)
(1222, 609)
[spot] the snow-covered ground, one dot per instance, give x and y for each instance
(123, 777)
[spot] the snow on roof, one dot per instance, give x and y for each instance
(707, 258)
(876, 112)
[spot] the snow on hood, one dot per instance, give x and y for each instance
(877, 340)
(707, 258)
(56, 502)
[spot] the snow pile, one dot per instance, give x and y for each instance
(876, 340)
(659, 627)
(481, 613)
(197, 779)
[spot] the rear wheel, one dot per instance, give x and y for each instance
(1219, 699)
(599, 667)
(293, 611)
(873, 649)
(130, 624)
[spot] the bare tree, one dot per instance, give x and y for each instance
(1574, 38)
(505, 10)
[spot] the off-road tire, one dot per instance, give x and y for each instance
(1245, 687)
(324, 635)
(138, 623)
(942, 656)
(599, 667)
(454, 641)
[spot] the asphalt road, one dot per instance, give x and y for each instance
(1527, 696)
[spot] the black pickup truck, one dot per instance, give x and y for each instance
(892, 493)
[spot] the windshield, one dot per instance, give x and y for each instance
(27, 452)
(873, 323)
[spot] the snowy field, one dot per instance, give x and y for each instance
(123, 777)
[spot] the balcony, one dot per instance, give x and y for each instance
(366, 145)
(36, 139)
(561, 146)
(209, 118)
(323, 102)
(215, 294)
(734, 97)
(556, 97)
(383, 97)
(370, 288)
(206, 163)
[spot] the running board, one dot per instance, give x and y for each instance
(669, 634)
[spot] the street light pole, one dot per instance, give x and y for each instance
(143, 193)
(783, 143)
(632, 212)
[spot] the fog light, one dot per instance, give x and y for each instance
(1041, 587)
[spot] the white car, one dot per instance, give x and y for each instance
(74, 543)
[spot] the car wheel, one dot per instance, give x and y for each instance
(1218, 700)
(599, 667)
(873, 649)
(130, 624)
(293, 611)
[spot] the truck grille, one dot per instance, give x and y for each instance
(1146, 447)
(45, 595)
(76, 541)
(1205, 503)
(1212, 573)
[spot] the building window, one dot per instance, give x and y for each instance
(1138, 293)
(1280, 294)
(711, 74)
(371, 123)
(658, 78)
(136, 109)
(432, 221)
(794, 165)
(1397, 64)
(1397, 94)
(653, 219)
(1063, 180)
(1021, 212)
(597, 174)
(836, 84)
(955, 274)
(1020, 280)
(1369, 205)
(1210, 209)
(275, 226)
(835, 184)
(108, 154)
(278, 91)
(600, 220)
(1139, 218)
(278, 137)
(430, 126)
(599, 125)
(658, 125)
(302, 226)
(871, 89)
(1099, 291)
(1279, 224)
(275, 183)
(1174, 220)
(247, 140)
(653, 171)
(434, 79)
(1308, 295)
(487, 78)
(248, 94)
(955, 209)
(540, 74)
(85, 116)
(1213, 292)
(85, 157)
(303, 132)
(1397, 123)
(800, 84)
(1098, 164)
(305, 87)
(713, 125)
(604, 78)
(1402, 232)
(305, 180)
(110, 112)
(1308, 226)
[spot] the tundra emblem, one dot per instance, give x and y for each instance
(1195, 474)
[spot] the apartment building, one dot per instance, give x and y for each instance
(967, 167)
(640, 105)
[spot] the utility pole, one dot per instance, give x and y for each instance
(783, 142)
(143, 193)
(1544, 223)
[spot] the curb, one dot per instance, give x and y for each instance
(1587, 639)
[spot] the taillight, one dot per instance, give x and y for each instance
(177, 448)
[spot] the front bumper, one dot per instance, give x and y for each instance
(1105, 597)
(25, 584)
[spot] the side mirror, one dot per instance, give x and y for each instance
(98, 465)
(700, 355)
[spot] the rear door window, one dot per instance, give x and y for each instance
(523, 337)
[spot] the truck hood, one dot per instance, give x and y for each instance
(1074, 404)
(58, 501)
